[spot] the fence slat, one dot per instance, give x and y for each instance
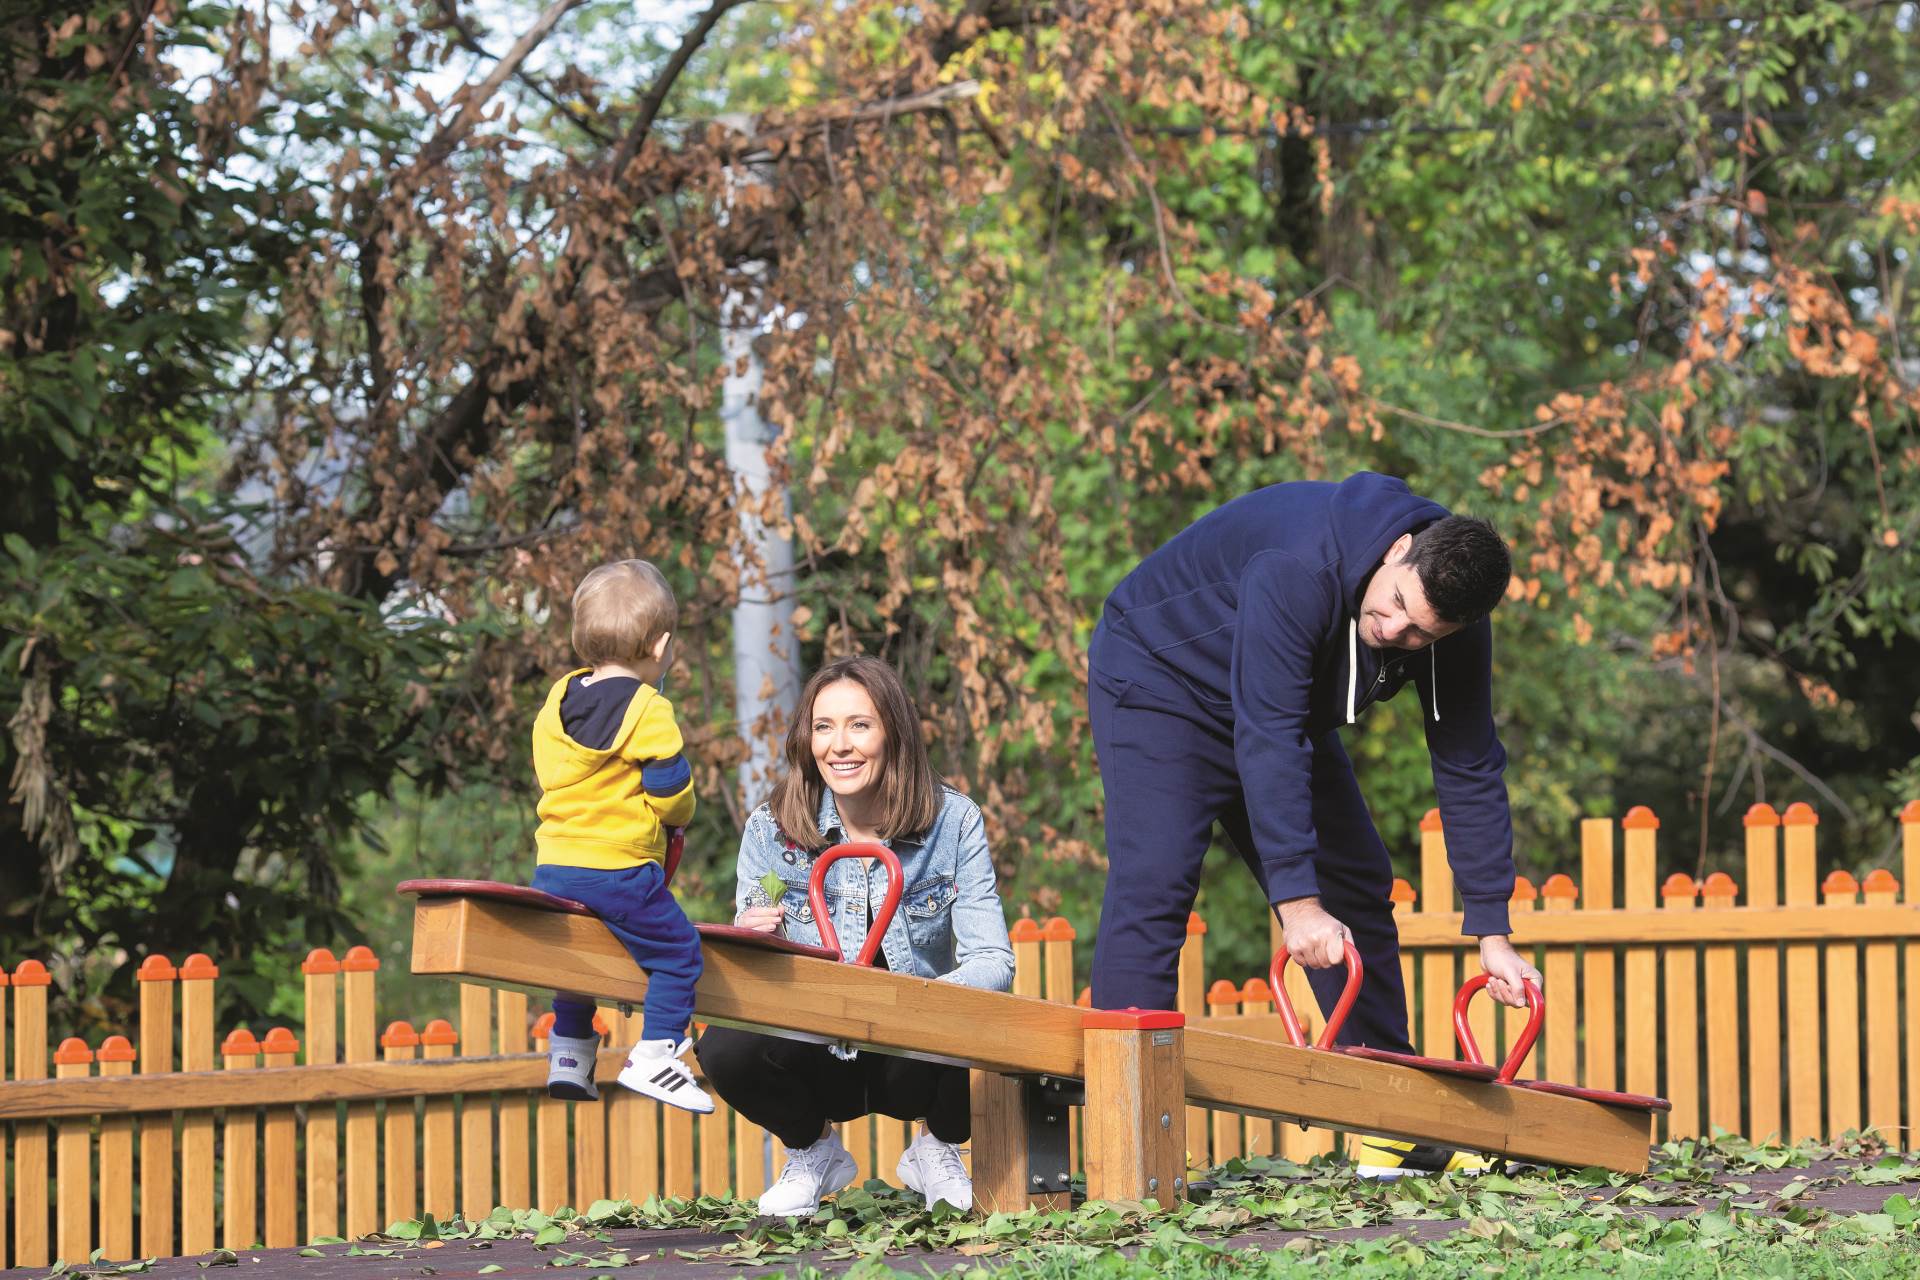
(156, 978)
(1263, 1136)
(73, 1161)
(281, 1141)
(644, 1122)
(1404, 896)
(1523, 901)
(550, 1135)
(196, 1127)
(676, 1143)
(1723, 1013)
(476, 1109)
(1562, 1053)
(1839, 892)
(516, 1159)
(1223, 1001)
(1057, 938)
(1597, 986)
(1883, 1018)
(1190, 995)
(5, 1200)
(716, 1178)
(1682, 1002)
(321, 1031)
(623, 1134)
(1765, 1044)
(436, 1129)
(116, 1058)
(239, 1145)
(1642, 964)
(357, 970)
(1910, 877)
(1803, 980)
(31, 1246)
(400, 1043)
(589, 1141)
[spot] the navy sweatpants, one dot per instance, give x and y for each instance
(1168, 770)
(639, 909)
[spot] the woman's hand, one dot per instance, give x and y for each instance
(760, 919)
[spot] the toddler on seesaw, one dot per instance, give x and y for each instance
(613, 779)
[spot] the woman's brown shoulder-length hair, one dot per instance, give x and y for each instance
(909, 788)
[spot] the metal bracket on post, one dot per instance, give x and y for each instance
(1049, 1153)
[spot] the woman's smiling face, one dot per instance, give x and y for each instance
(849, 742)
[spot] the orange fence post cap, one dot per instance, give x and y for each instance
(1256, 992)
(1025, 929)
(116, 1049)
(239, 1041)
(1402, 891)
(1523, 890)
(1430, 820)
(319, 961)
(157, 968)
(1056, 929)
(1881, 880)
(359, 960)
(1131, 1019)
(1911, 813)
(1195, 924)
(1559, 885)
(1640, 818)
(32, 973)
(600, 1023)
(1720, 885)
(399, 1035)
(1223, 992)
(1677, 885)
(543, 1026)
(1840, 881)
(280, 1040)
(72, 1052)
(199, 968)
(439, 1031)
(1799, 814)
(1085, 999)
(1761, 815)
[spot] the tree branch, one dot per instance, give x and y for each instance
(636, 136)
(477, 97)
(470, 40)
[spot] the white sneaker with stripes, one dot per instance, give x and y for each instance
(654, 1069)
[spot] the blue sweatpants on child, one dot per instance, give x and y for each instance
(640, 910)
(1170, 776)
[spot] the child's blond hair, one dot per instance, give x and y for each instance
(620, 611)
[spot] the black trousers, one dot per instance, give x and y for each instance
(1169, 776)
(793, 1089)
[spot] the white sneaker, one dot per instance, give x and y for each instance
(810, 1173)
(570, 1065)
(654, 1069)
(933, 1168)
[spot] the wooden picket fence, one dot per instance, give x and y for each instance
(1789, 1013)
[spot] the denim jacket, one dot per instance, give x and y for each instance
(949, 925)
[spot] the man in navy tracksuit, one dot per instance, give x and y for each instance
(1219, 676)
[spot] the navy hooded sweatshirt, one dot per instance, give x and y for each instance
(1253, 610)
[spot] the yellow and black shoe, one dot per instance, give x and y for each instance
(1387, 1159)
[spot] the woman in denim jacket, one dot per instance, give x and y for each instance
(858, 770)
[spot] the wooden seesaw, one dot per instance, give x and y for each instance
(1029, 1056)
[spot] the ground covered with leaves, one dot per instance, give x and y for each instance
(1702, 1210)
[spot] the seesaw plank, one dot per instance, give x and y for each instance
(506, 945)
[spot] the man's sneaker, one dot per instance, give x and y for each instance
(810, 1173)
(933, 1168)
(570, 1068)
(1387, 1159)
(654, 1068)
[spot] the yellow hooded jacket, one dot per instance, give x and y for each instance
(609, 809)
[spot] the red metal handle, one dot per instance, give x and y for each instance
(817, 895)
(676, 845)
(1290, 1021)
(1536, 1016)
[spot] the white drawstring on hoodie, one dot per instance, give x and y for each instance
(1353, 669)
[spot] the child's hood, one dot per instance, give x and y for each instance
(557, 757)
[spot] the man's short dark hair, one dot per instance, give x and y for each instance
(1463, 566)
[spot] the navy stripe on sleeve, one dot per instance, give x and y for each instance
(666, 777)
